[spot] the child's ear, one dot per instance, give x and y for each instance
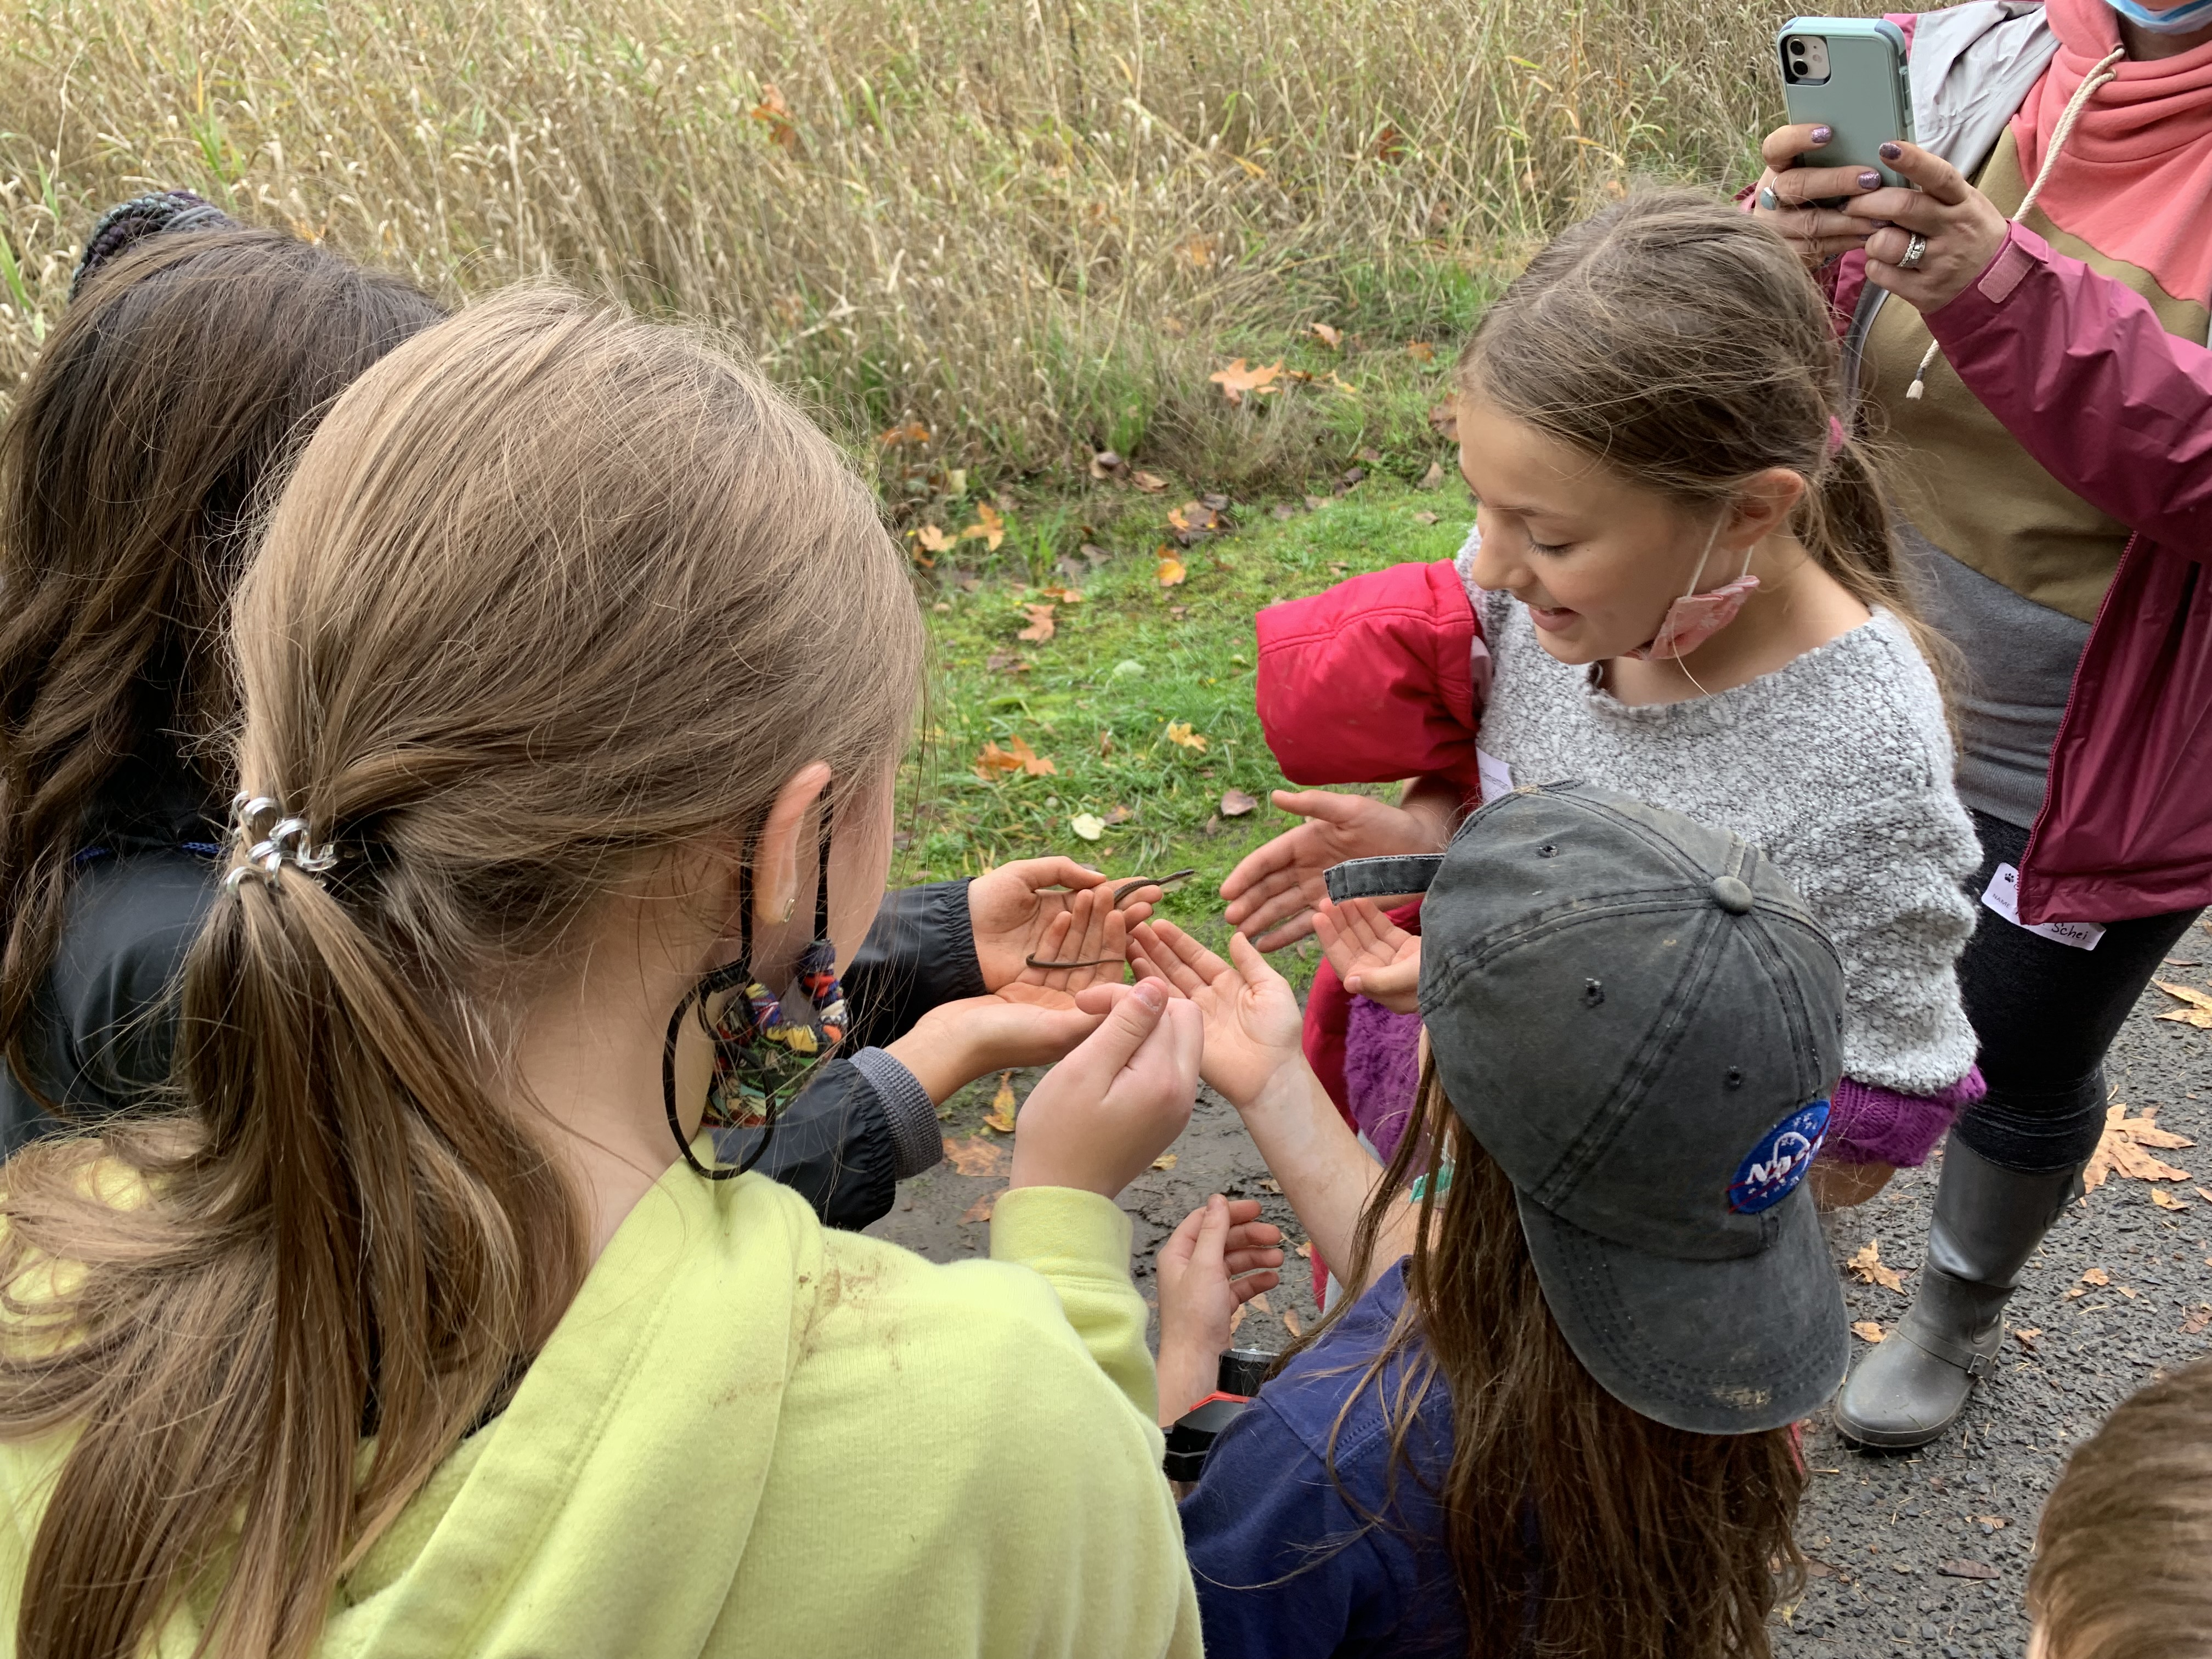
(1764, 504)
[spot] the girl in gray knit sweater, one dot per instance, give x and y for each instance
(1682, 586)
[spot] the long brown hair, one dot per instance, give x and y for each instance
(1681, 343)
(137, 454)
(2121, 1550)
(1577, 1528)
(551, 595)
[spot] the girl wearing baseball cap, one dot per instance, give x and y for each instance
(1558, 1418)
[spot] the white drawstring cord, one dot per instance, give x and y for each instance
(2097, 77)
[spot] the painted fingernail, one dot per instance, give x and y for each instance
(1823, 134)
(1869, 179)
(1891, 152)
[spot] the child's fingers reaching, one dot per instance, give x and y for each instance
(1251, 967)
(1162, 958)
(1201, 962)
(1252, 1285)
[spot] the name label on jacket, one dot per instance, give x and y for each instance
(2002, 896)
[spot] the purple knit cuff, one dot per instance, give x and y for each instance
(1869, 1124)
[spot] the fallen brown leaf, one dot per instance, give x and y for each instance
(1000, 1118)
(914, 432)
(1425, 518)
(1331, 337)
(1433, 478)
(1235, 804)
(775, 114)
(1306, 1249)
(1867, 1268)
(2096, 1276)
(1016, 756)
(1994, 1522)
(2199, 1011)
(1151, 483)
(1269, 1184)
(1389, 145)
(1421, 352)
(1170, 573)
(988, 528)
(934, 540)
(2026, 1337)
(1444, 421)
(1041, 626)
(975, 1156)
(1238, 382)
(1292, 1324)
(2199, 1317)
(1867, 1331)
(1164, 1161)
(1120, 815)
(1006, 662)
(982, 1208)
(1260, 1303)
(2167, 1200)
(1965, 1570)
(2121, 1151)
(1236, 1319)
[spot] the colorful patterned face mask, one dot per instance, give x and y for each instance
(764, 1053)
(1696, 618)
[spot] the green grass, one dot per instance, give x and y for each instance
(1130, 661)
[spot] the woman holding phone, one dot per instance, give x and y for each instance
(2028, 329)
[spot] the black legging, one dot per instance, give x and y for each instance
(2045, 1014)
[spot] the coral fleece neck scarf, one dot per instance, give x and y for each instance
(2135, 178)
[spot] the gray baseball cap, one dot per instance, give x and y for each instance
(1636, 1017)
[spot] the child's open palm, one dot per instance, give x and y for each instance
(1252, 1020)
(1220, 1258)
(1374, 957)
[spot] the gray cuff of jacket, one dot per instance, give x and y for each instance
(916, 1142)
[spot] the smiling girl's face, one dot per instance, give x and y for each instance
(1597, 560)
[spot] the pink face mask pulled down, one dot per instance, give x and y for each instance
(1696, 618)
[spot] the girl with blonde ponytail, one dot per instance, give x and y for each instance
(575, 669)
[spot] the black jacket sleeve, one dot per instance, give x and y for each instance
(103, 1023)
(920, 953)
(863, 1123)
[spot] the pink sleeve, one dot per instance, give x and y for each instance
(1373, 680)
(2085, 378)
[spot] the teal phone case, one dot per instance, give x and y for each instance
(1867, 97)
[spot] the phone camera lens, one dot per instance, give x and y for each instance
(1796, 48)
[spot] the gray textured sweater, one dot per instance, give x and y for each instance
(1838, 766)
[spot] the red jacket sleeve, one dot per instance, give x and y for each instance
(2085, 378)
(1373, 680)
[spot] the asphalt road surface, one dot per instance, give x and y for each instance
(1921, 1553)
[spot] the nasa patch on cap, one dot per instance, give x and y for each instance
(1770, 1172)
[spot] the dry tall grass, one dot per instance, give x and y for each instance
(1030, 224)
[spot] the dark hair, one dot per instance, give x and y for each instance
(1574, 1525)
(1681, 345)
(2121, 1550)
(152, 428)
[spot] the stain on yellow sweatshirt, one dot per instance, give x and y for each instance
(754, 1435)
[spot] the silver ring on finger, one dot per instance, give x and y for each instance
(1768, 200)
(1915, 251)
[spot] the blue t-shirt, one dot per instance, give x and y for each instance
(1286, 1566)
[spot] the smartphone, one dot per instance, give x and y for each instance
(1847, 73)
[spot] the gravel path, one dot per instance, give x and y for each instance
(1923, 1552)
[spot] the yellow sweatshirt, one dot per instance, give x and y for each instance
(754, 1435)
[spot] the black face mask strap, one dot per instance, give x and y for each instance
(735, 973)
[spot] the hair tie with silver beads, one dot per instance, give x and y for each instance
(288, 841)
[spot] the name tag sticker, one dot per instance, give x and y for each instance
(1497, 776)
(2002, 896)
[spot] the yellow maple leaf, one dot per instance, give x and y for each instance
(1170, 573)
(1000, 1118)
(1867, 1331)
(1179, 732)
(989, 528)
(2167, 1200)
(975, 1156)
(934, 540)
